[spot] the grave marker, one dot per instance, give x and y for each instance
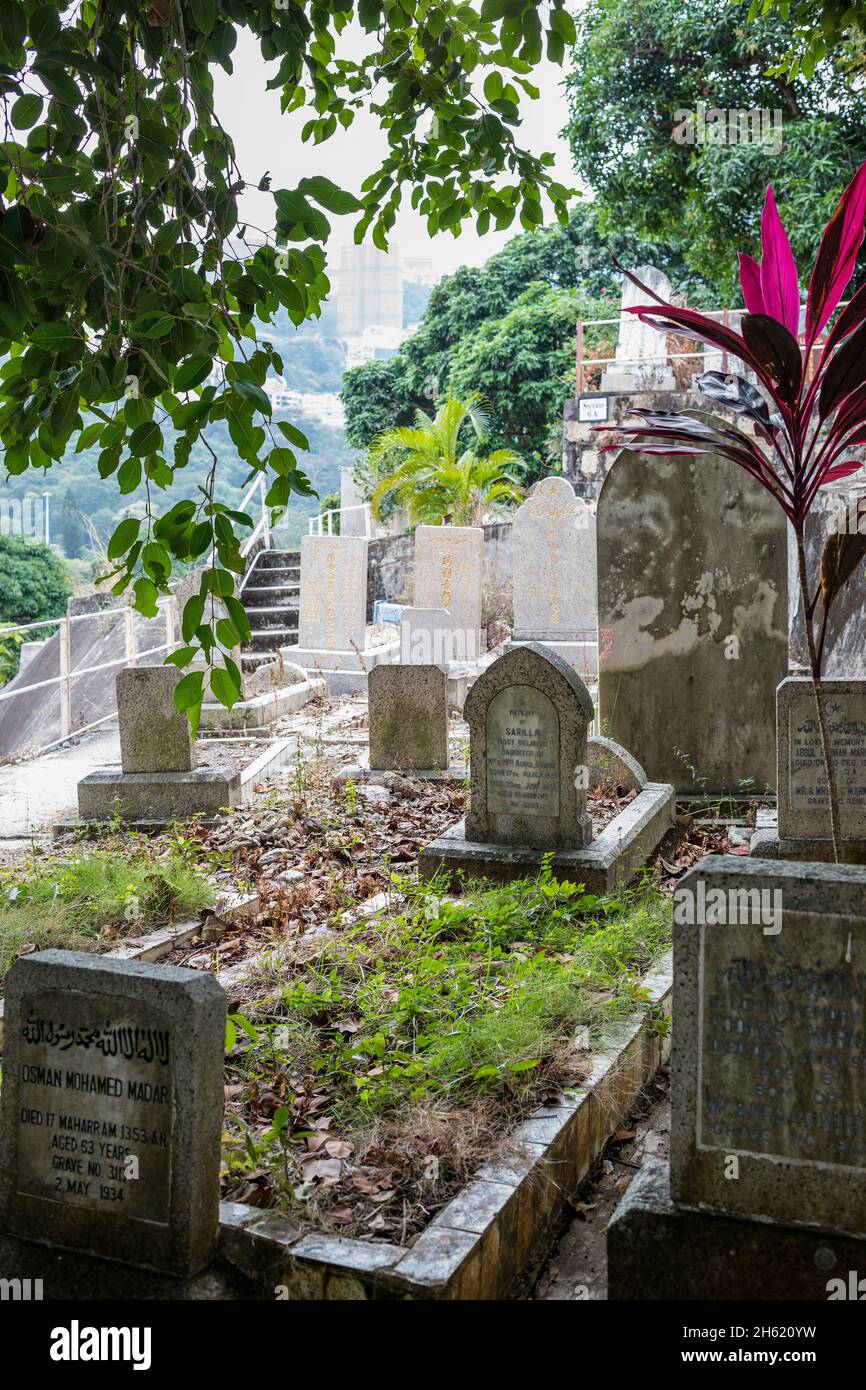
(528, 718)
(693, 619)
(555, 592)
(449, 568)
(770, 1015)
(154, 736)
(408, 709)
(112, 1108)
(333, 603)
(804, 806)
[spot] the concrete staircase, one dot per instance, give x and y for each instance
(271, 599)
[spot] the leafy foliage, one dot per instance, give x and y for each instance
(439, 480)
(813, 28)
(519, 308)
(639, 63)
(33, 583)
(129, 290)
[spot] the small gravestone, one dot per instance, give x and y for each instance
(112, 1109)
(555, 594)
(612, 767)
(804, 805)
(528, 717)
(529, 713)
(449, 569)
(154, 735)
(769, 1093)
(640, 362)
(408, 718)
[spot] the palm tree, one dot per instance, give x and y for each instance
(434, 479)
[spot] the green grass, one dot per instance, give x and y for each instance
(489, 998)
(67, 902)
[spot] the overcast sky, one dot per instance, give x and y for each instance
(267, 140)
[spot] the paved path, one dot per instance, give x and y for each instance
(35, 793)
(577, 1269)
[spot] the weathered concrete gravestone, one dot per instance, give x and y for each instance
(153, 732)
(693, 618)
(154, 736)
(527, 728)
(555, 593)
(528, 716)
(449, 569)
(803, 826)
(112, 1109)
(408, 711)
(769, 1096)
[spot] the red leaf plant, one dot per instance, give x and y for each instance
(807, 416)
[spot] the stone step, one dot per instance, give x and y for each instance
(262, 619)
(271, 596)
(270, 639)
(276, 559)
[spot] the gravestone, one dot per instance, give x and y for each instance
(612, 767)
(427, 636)
(449, 569)
(158, 779)
(154, 736)
(693, 625)
(801, 827)
(637, 343)
(555, 593)
(804, 805)
(112, 1108)
(408, 707)
(769, 1092)
(333, 604)
(528, 721)
(529, 714)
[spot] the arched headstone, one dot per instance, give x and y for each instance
(528, 717)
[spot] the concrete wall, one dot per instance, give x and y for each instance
(391, 562)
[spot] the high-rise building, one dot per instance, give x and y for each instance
(369, 290)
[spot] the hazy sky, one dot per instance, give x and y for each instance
(267, 140)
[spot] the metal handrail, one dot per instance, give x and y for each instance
(68, 673)
(725, 314)
(318, 521)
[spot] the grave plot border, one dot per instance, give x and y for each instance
(499, 1228)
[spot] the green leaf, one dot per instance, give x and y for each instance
(329, 195)
(145, 439)
(26, 111)
(188, 691)
(293, 435)
(193, 372)
(248, 391)
(193, 612)
(225, 687)
(146, 597)
(124, 536)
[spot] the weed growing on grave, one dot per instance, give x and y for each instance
(84, 902)
(437, 1009)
